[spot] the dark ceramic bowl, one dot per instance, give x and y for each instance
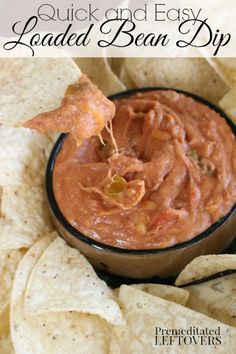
(167, 262)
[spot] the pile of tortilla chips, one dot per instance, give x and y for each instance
(51, 299)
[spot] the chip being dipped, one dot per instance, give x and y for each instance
(29, 86)
(84, 112)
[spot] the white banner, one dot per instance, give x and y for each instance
(130, 28)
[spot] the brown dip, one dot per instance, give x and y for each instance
(174, 176)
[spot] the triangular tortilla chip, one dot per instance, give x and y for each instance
(54, 333)
(100, 73)
(190, 74)
(166, 292)
(63, 280)
(84, 112)
(29, 86)
(6, 346)
(11, 238)
(215, 298)
(225, 68)
(205, 266)
(228, 103)
(148, 315)
(26, 210)
(22, 156)
(9, 260)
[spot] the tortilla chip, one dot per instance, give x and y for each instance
(25, 208)
(100, 73)
(205, 266)
(126, 78)
(63, 280)
(5, 322)
(228, 103)
(0, 196)
(9, 260)
(144, 313)
(11, 237)
(31, 86)
(116, 65)
(225, 68)
(22, 156)
(166, 292)
(60, 333)
(6, 346)
(191, 74)
(54, 333)
(215, 298)
(83, 113)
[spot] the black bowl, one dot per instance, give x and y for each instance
(142, 263)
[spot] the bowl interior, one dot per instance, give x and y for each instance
(62, 220)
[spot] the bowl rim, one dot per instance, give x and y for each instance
(113, 249)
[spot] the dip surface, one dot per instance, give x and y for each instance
(174, 175)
